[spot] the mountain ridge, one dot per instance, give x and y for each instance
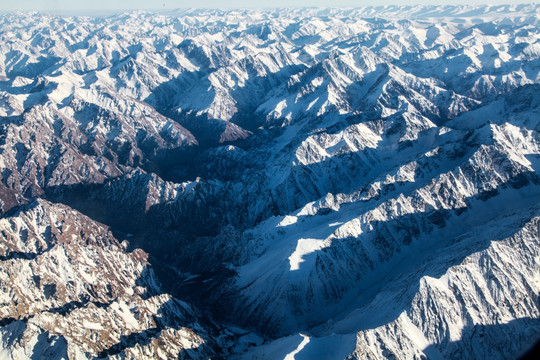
(296, 183)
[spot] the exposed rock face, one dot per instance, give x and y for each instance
(314, 183)
(70, 289)
(475, 307)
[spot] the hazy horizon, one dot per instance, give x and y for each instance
(104, 6)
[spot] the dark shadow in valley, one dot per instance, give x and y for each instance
(14, 255)
(172, 314)
(365, 280)
(208, 131)
(142, 338)
(49, 346)
(532, 353)
(505, 340)
(21, 66)
(259, 89)
(177, 165)
(183, 237)
(69, 307)
(166, 318)
(186, 235)
(8, 320)
(178, 235)
(390, 236)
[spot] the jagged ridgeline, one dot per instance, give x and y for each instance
(308, 184)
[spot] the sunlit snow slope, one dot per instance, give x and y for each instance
(295, 183)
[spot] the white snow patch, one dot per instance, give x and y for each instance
(304, 342)
(304, 247)
(92, 325)
(288, 220)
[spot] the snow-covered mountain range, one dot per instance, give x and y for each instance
(294, 183)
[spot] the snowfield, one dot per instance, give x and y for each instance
(279, 184)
